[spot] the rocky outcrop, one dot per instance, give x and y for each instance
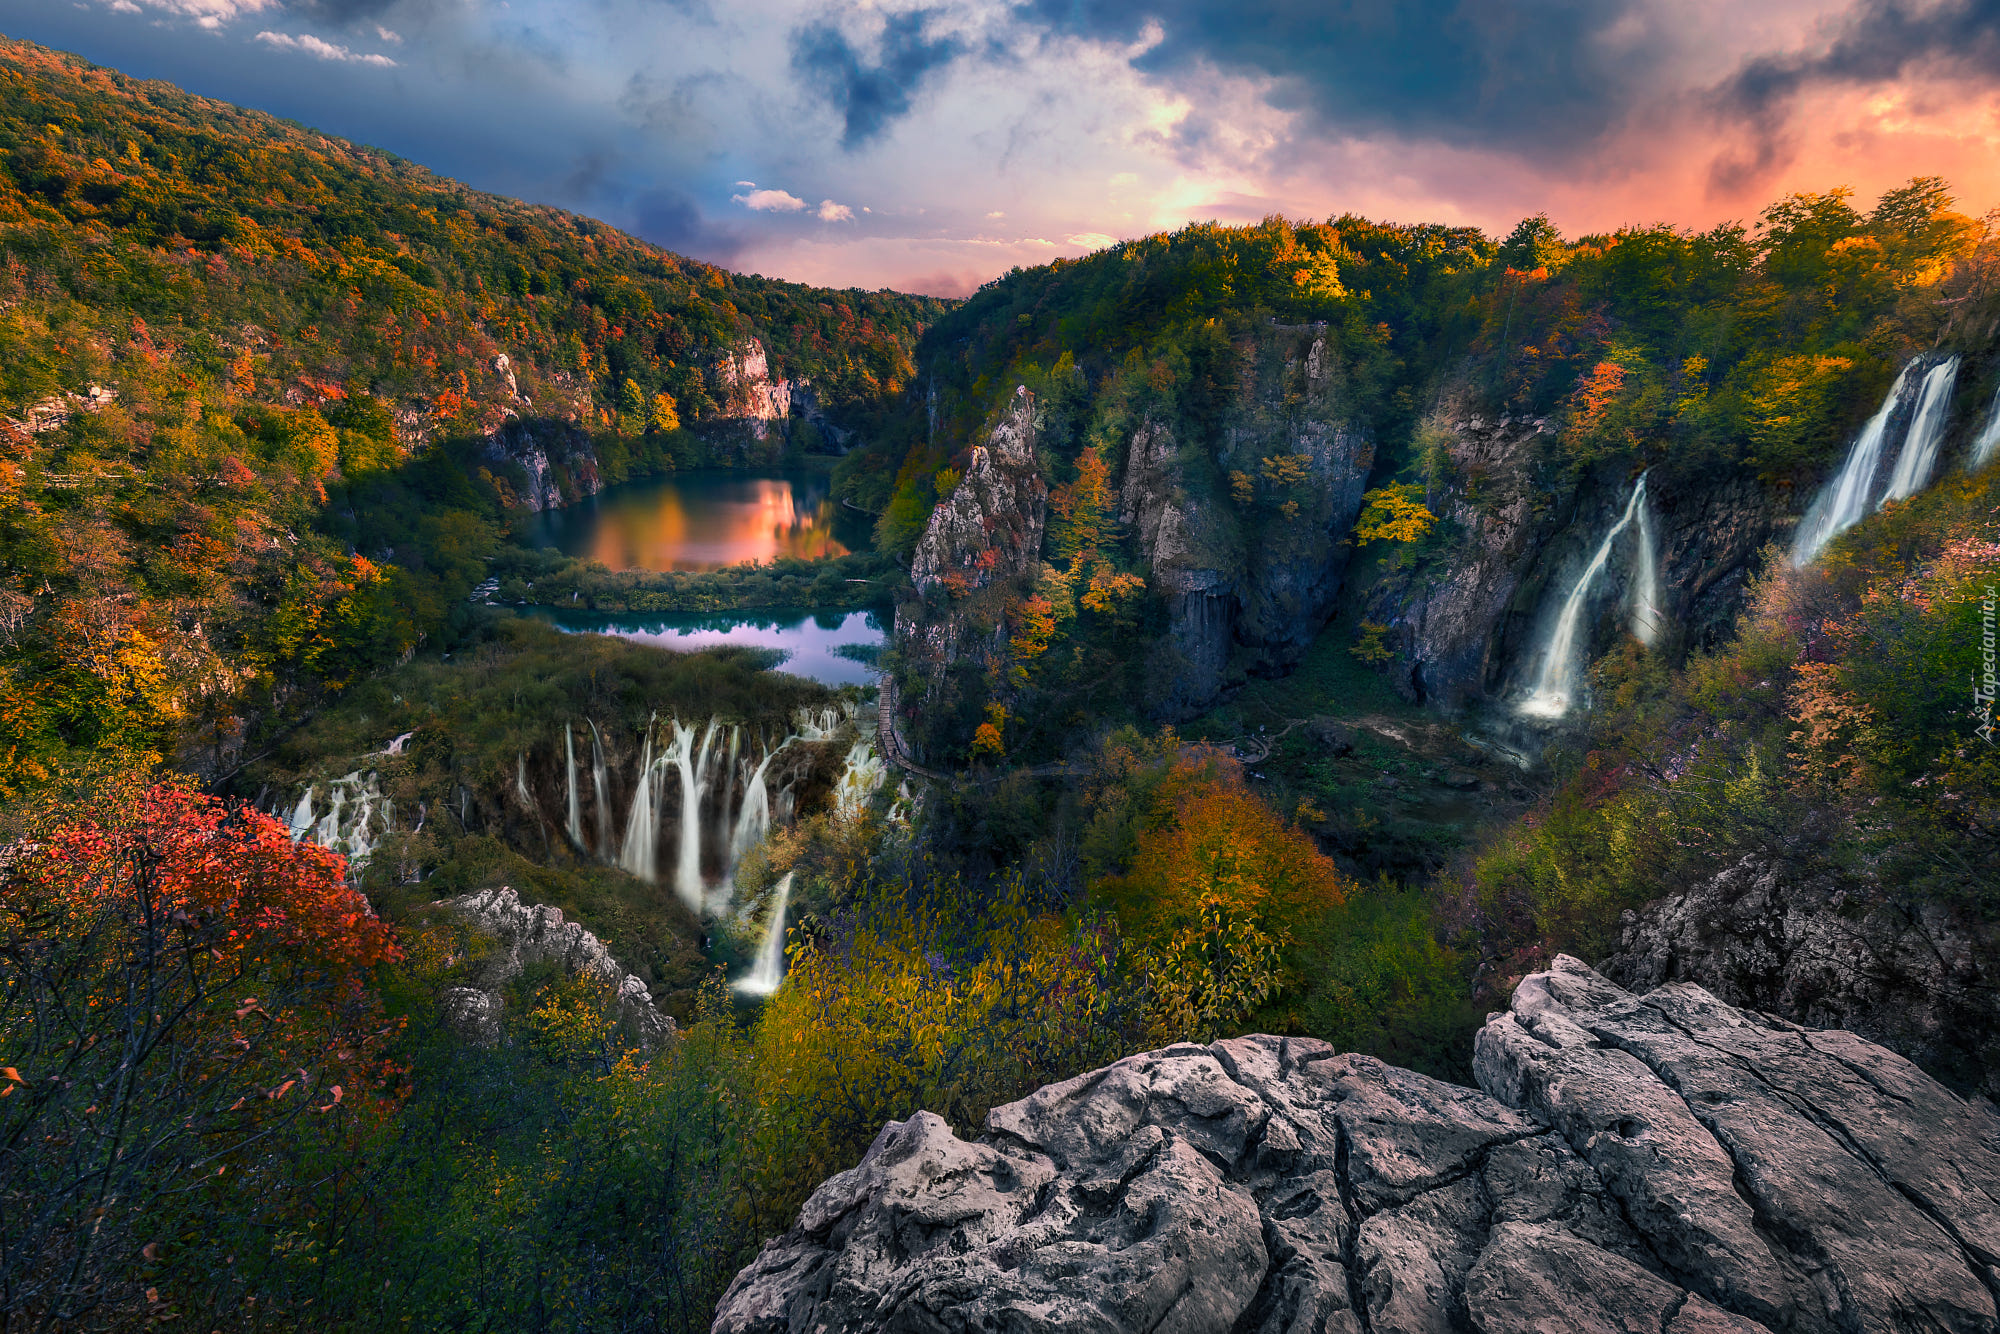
(983, 541)
(1246, 536)
(749, 394)
(1764, 935)
(528, 934)
(1665, 1163)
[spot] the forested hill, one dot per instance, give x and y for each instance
(238, 356)
(143, 200)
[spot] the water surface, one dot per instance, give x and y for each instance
(835, 648)
(702, 521)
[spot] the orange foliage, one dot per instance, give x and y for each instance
(1213, 838)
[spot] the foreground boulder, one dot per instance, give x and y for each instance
(1663, 1164)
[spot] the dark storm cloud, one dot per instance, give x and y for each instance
(871, 94)
(1538, 78)
(1880, 41)
(672, 219)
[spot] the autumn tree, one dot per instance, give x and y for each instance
(188, 994)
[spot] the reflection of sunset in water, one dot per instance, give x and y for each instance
(698, 522)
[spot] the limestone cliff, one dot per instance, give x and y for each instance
(980, 544)
(1664, 1163)
(1245, 536)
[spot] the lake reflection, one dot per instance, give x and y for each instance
(697, 521)
(834, 648)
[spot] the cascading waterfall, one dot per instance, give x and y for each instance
(860, 779)
(1647, 604)
(521, 779)
(1918, 457)
(357, 817)
(1989, 436)
(1555, 681)
(769, 969)
(575, 811)
(635, 855)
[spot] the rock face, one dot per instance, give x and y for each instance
(1663, 1163)
(556, 461)
(1758, 934)
(983, 541)
(536, 933)
(1246, 535)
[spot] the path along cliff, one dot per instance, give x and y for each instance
(1662, 1163)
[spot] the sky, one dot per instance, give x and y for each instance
(932, 146)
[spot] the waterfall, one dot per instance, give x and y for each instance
(302, 814)
(575, 810)
(601, 792)
(1989, 437)
(1844, 501)
(687, 877)
(1646, 598)
(1920, 446)
(635, 857)
(769, 970)
(1550, 697)
(521, 779)
(860, 778)
(357, 817)
(755, 817)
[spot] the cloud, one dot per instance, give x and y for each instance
(871, 96)
(1540, 80)
(1094, 240)
(829, 211)
(206, 13)
(769, 201)
(324, 50)
(1879, 42)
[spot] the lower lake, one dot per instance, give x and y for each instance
(835, 648)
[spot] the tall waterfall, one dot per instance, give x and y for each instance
(1647, 604)
(755, 816)
(1918, 458)
(575, 812)
(1555, 682)
(687, 875)
(1989, 436)
(769, 969)
(600, 792)
(636, 855)
(1844, 502)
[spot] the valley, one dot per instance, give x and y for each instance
(535, 765)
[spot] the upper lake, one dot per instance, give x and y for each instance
(704, 521)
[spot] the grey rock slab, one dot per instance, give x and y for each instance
(1883, 1263)
(1540, 1280)
(1675, 1182)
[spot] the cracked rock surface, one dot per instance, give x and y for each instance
(1656, 1164)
